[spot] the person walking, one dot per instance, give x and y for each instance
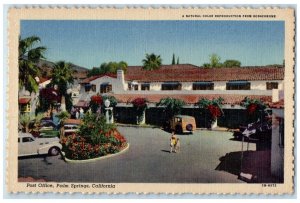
(177, 146)
(173, 142)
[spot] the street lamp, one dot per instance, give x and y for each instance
(107, 103)
(108, 118)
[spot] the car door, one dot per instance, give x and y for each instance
(20, 147)
(27, 146)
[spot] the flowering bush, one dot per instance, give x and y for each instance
(214, 111)
(95, 103)
(48, 97)
(255, 108)
(139, 103)
(97, 99)
(95, 138)
(213, 107)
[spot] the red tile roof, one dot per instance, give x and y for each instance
(277, 105)
(24, 100)
(89, 79)
(82, 103)
(73, 121)
(189, 98)
(189, 73)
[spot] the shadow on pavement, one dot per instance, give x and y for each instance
(256, 163)
(44, 157)
(163, 150)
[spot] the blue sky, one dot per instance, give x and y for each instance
(90, 43)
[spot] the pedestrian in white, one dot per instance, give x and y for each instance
(81, 113)
(77, 114)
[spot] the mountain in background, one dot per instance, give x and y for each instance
(47, 66)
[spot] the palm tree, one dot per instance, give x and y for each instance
(151, 62)
(27, 121)
(29, 56)
(62, 76)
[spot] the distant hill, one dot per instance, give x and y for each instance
(47, 66)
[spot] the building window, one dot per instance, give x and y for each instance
(238, 85)
(25, 107)
(133, 86)
(272, 85)
(105, 88)
(87, 87)
(93, 88)
(145, 86)
(203, 86)
(171, 86)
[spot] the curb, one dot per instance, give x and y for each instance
(99, 158)
(136, 126)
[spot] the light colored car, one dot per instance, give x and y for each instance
(69, 129)
(29, 145)
(182, 124)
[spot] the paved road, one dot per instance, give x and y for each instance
(147, 160)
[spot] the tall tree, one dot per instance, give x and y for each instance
(177, 61)
(173, 59)
(151, 62)
(110, 67)
(62, 77)
(215, 62)
(232, 63)
(29, 56)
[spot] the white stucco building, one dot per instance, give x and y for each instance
(187, 82)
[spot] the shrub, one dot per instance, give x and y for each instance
(139, 105)
(95, 103)
(171, 106)
(213, 106)
(95, 138)
(255, 108)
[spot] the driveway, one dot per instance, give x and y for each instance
(147, 160)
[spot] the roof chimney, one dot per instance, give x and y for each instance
(120, 75)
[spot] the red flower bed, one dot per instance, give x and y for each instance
(79, 148)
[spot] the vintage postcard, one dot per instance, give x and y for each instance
(150, 100)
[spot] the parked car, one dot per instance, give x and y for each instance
(181, 124)
(259, 130)
(70, 129)
(48, 125)
(29, 145)
(70, 126)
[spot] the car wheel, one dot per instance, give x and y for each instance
(53, 151)
(189, 127)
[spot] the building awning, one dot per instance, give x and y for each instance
(238, 82)
(24, 100)
(202, 83)
(83, 104)
(171, 83)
